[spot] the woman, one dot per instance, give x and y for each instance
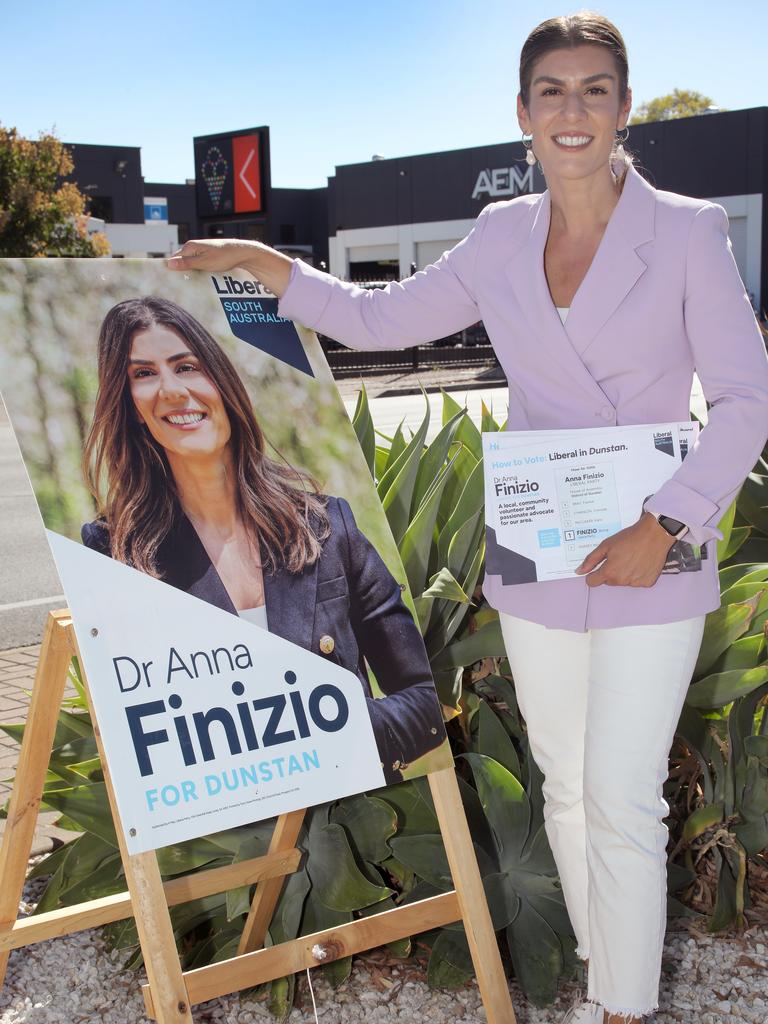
(601, 296)
(190, 496)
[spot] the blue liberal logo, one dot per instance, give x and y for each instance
(257, 322)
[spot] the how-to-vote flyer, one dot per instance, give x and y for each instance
(552, 496)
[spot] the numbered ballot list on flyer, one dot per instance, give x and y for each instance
(551, 496)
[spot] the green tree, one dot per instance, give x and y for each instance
(678, 103)
(40, 214)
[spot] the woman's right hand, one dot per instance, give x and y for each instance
(218, 255)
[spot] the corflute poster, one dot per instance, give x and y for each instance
(238, 599)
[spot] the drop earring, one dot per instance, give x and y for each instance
(619, 154)
(530, 156)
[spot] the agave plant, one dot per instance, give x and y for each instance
(433, 499)
(367, 853)
(720, 779)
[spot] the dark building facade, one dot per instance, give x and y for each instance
(295, 219)
(381, 219)
(111, 178)
(385, 216)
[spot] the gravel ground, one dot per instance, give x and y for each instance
(74, 979)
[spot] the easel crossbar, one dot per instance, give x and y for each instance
(95, 913)
(249, 969)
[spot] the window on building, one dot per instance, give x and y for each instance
(101, 207)
(251, 230)
(235, 229)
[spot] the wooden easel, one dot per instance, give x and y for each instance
(171, 992)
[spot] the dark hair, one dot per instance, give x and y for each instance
(122, 460)
(585, 28)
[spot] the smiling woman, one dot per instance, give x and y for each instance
(177, 402)
(574, 103)
(601, 297)
(177, 463)
(157, 366)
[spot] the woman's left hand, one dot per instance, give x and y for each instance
(631, 558)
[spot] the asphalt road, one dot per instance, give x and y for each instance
(387, 413)
(29, 583)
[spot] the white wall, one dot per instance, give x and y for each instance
(422, 244)
(745, 214)
(363, 253)
(142, 239)
(408, 243)
(430, 252)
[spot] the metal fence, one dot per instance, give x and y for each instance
(344, 361)
(469, 347)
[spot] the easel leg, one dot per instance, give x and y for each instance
(268, 892)
(153, 923)
(150, 909)
(469, 888)
(42, 717)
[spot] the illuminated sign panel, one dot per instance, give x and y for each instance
(232, 173)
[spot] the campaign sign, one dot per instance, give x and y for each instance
(208, 722)
(239, 602)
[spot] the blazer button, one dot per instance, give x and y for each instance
(327, 644)
(607, 412)
(433, 731)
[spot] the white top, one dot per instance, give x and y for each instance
(563, 311)
(258, 615)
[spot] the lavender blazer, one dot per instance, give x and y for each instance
(662, 298)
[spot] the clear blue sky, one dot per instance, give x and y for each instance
(337, 80)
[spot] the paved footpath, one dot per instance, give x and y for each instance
(17, 672)
(17, 675)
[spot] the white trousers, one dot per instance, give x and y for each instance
(601, 709)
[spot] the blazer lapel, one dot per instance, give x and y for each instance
(529, 283)
(290, 600)
(186, 565)
(614, 270)
(616, 266)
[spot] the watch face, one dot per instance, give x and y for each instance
(672, 526)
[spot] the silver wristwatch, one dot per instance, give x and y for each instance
(673, 527)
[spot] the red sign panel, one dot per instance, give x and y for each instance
(247, 173)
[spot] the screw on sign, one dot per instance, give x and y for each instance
(214, 171)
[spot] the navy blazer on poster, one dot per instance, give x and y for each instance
(349, 596)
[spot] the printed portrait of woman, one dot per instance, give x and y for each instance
(186, 492)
